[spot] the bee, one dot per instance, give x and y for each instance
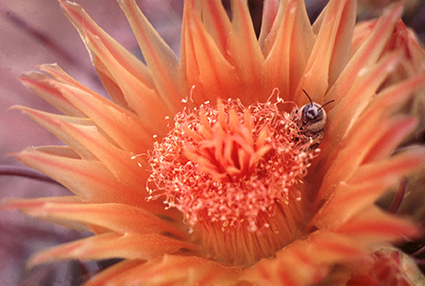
(311, 119)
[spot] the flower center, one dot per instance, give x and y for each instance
(235, 174)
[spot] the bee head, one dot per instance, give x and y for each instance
(313, 115)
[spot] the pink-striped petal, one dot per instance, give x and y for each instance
(108, 217)
(161, 60)
(112, 245)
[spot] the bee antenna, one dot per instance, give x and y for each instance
(311, 102)
(321, 107)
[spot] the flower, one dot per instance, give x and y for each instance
(204, 170)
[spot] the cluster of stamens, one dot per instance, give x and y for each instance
(229, 164)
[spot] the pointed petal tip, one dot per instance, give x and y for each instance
(22, 108)
(69, 4)
(16, 107)
(8, 204)
(51, 66)
(394, 11)
(13, 203)
(125, 2)
(10, 154)
(69, 7)
(32, 78)
(27, 75)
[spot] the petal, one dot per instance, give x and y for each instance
(161, 60)
(249, 59)
(347, 200)
(398, 165)
(379, 110)
(375, 226)
(142, 99)
(90, 180)
(359, 144)
(111, 275)
(268, 30)
(216, 22)
(59, 75)
(112, 245)
(359, 96)
(313, 257)
(330, 50)
(367, 54)
(288, 48)
(110, 216)
(52, 123)
(41, 85)
(83, 136)
(29, 203)
(367, 184)
(117, 122)
(172, 270)
(83, 23)
(208, 71)
(391, 169)
(394, 133)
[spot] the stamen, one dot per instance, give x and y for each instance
(235, 169)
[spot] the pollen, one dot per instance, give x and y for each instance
(233, 168)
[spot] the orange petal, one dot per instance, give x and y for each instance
(107, 276)
(112, 245)
(142, 99)
(90, 180)
(208, 71)
(54, 124)
(396, 166)
(83, 23)
(393, 136)
(113, 89)
(249, 59)
(90, 144)
(345, 112)
(117, 122)
(360, 141)
(29, 203)
(288, 48)
(330, 247)
(373, 225)
(41, 85)
(359, 144)
(59, 75)
(161, 60)
(347, 200)
(383, 105)
(368, 53)
(313, 256)
(342, 45)
(110, 216)
(216, 22)
(173, 270)
(331, 48)
(268, 30)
